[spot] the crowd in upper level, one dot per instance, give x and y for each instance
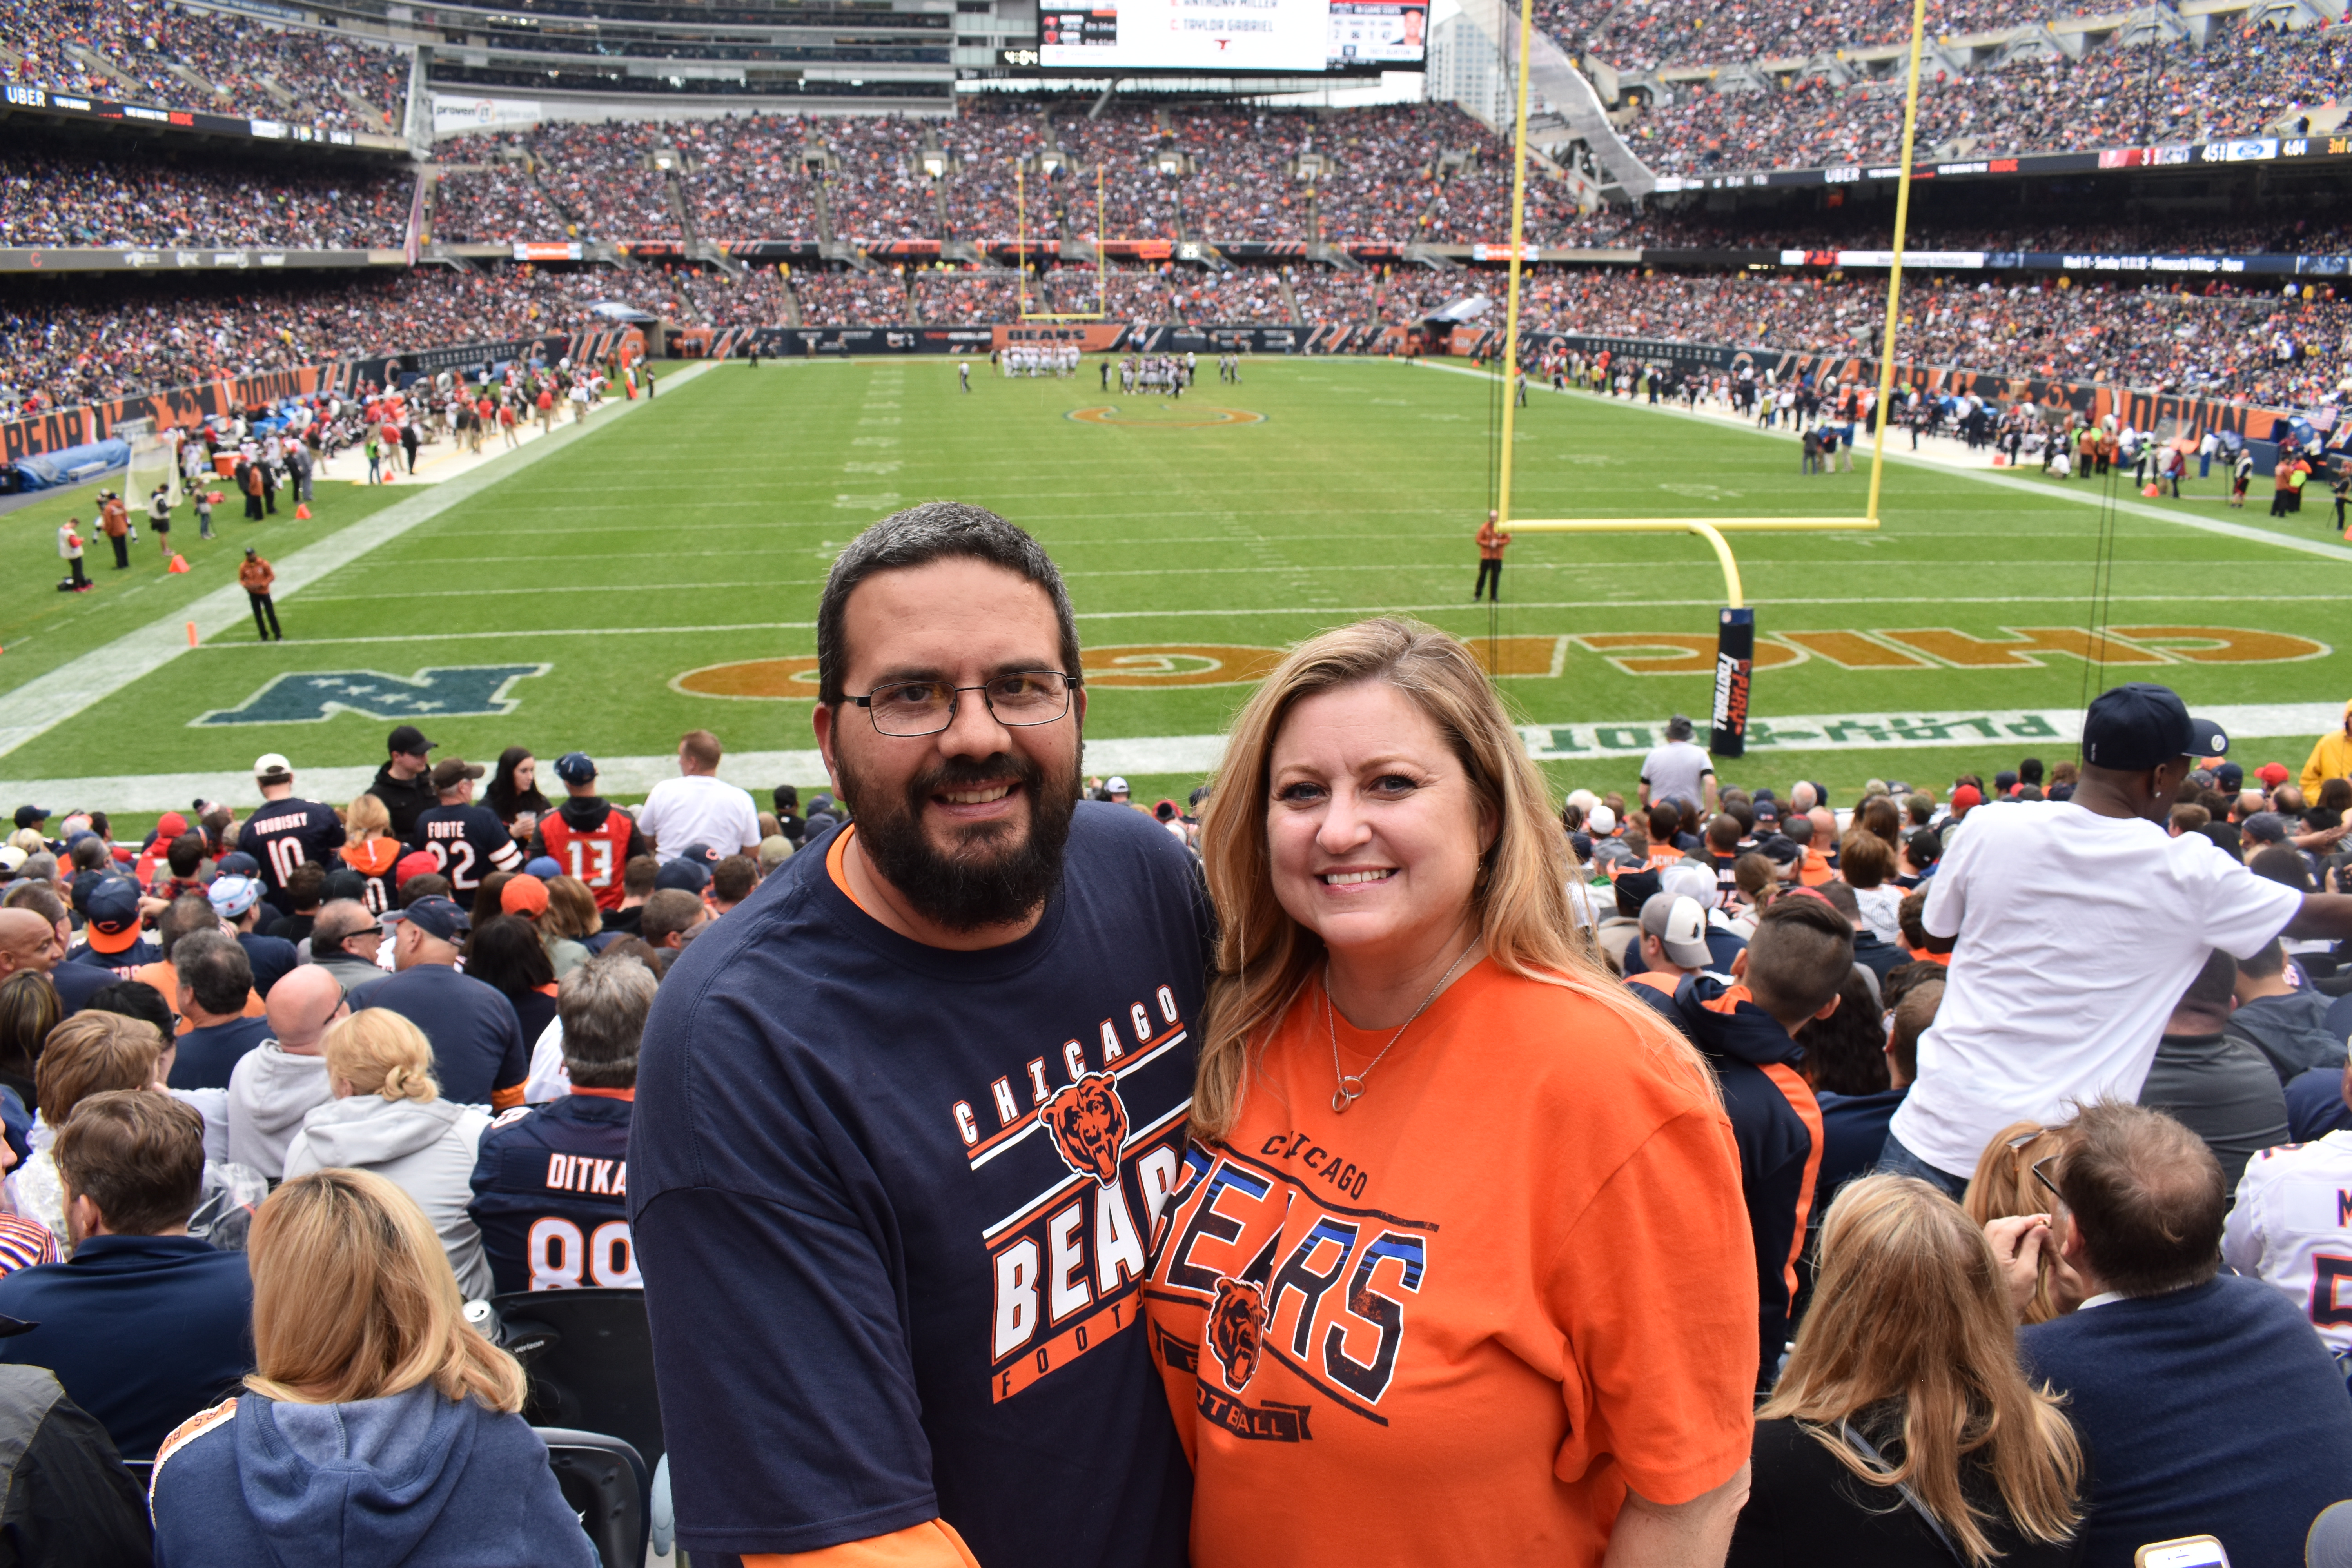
(152, 52)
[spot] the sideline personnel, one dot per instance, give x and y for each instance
(906, 1117)
(1492, 542)
(256, 575)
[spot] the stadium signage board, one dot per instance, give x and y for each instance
(2037, 261)
(2244, 150)
(1236, 36)
(17, 97)
(134, 259)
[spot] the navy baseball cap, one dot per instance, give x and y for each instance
(576, 768)
(685, 873)
(2144, 725)
(238, 863)
(113, 911)
(435, 916)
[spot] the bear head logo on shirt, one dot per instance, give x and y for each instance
(1089, 1125)
(1237, 1331)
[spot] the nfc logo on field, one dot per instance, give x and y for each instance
(445, 693)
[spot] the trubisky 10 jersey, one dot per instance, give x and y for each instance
(552, 1195)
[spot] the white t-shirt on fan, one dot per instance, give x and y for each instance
(696, 808)
(2077, 934)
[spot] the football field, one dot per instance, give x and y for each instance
(659, 571)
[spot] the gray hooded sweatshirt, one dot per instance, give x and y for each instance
(426, 1148)
(2291, 1031)
(269, 1091)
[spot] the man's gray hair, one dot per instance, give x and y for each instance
(213, 965)
(935, 531)
(603, 1005)
(336, 919)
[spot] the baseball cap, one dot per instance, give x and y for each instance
(344, 884)
(1680, 926)
(1114, 786)
(2328, 1544)
(270, 768)
(416, 863)
(232, 896)
(169, 826)
(684, 873)
(1965, 799)
(543, 866)
(1678, 728)
(238, 863)
(1633, 890)
(114, 915)
(1603, 821)
(1690, 879)
(435, 916)
(12, 858)
(2144, 725)
(2273, 773)
(2263, 827)
(523, 895)
(576, 768)
(2228, 778)
(31, 816)
(408, 740)
(449, 770)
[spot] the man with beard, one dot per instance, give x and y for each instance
(907, 1116)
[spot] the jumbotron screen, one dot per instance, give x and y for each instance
(1290, 36)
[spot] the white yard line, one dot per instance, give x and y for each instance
(48, 700)
(759, 772)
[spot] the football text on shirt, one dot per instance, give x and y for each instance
(1069, 1263)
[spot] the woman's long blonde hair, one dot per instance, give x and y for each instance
(352, 1299)
(1521, 902)
(1910, 1308)
(377, 1051)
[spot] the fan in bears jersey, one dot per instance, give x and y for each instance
(551, 1194)
(593, 839)
(467, 842)
(286, 832)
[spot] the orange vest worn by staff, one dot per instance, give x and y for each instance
(256, 574)
(1491, 543)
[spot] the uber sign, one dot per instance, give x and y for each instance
(454, 691)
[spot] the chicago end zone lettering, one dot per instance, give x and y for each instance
(1068, 1264)
(1261, 1249)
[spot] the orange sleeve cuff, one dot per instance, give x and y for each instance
(934, 1544)
(506, 1098)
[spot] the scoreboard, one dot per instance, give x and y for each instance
(1292, 36)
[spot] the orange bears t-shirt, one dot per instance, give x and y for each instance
(1455, 1323)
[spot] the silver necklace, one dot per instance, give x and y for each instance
(1351, 1084)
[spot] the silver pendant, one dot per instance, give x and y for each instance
(1350, 1090)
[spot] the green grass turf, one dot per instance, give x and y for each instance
(697, 532)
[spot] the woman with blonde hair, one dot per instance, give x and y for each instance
(2004, 1187)
(1417, 1077)
(1905, 1433)
(370, 849)
(388, 1117)
(379, 1425)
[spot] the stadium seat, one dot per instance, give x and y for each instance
(603, 1477)
(590, 1358)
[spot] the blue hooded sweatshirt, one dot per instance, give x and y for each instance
(410, 1478)
(1774, 1120)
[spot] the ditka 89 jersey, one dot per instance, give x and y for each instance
(551, 1194)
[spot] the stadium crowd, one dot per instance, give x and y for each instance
(285, 1082)
(2245, 80)
(59, 196)
(182, 57)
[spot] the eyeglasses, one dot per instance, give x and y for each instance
(2043, 1177)
(908, 709)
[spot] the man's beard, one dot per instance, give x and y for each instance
(985, 881)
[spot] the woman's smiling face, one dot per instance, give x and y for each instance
(1372, 830)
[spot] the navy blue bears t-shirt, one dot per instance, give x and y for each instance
(282, 835)
(893, 1207)
(552, 1197)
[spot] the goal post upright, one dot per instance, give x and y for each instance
(1885, 406)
